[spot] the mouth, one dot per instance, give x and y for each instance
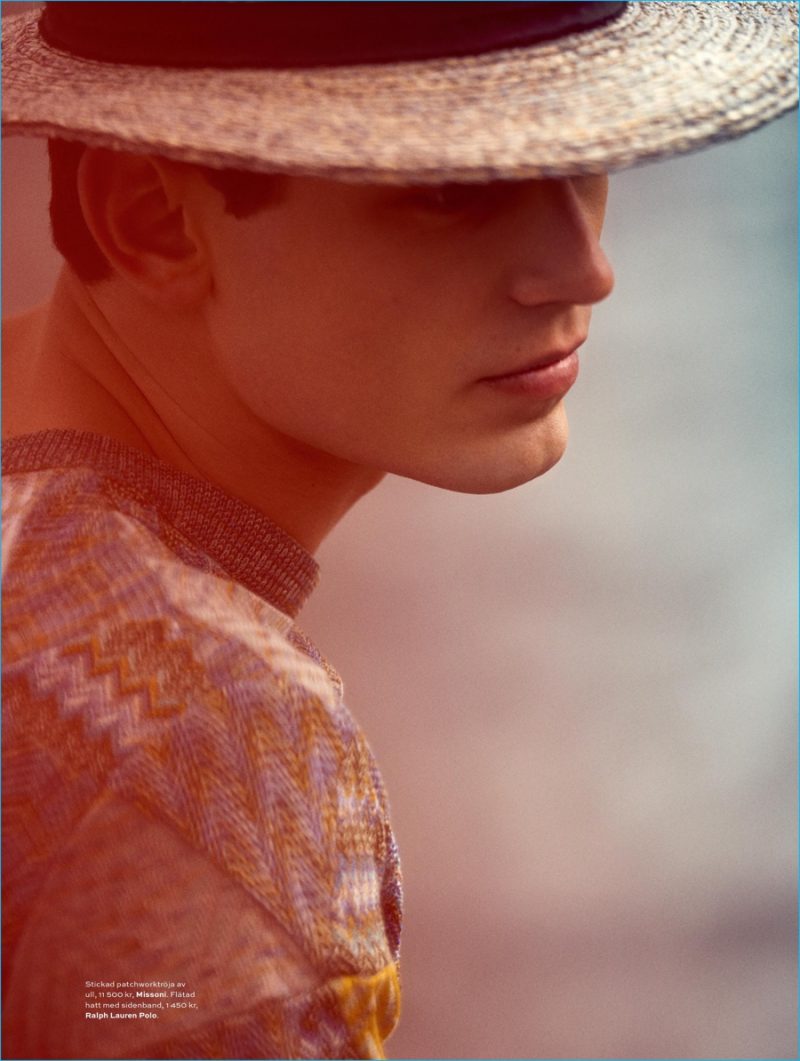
(549, 376)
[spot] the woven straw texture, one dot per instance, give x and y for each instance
(661, 80)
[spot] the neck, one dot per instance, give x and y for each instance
(91, 360)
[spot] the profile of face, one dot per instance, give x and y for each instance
(425, 331)
(355, 329)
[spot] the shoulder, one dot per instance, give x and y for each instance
(188, 696)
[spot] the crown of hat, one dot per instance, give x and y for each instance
(284, 35)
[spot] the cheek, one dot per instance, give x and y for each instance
(320, 362)
(331, 329)
(359, 349)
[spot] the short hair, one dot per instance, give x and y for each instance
(245, 194)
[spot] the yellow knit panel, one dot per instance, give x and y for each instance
(370, 1007)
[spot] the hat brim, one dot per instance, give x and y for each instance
(663, 79)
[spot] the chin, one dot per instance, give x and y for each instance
(501, 479)
(505, 464)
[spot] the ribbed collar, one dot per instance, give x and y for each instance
(248, 545)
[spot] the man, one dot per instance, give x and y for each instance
(227, 365)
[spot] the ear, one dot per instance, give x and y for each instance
(137, 209)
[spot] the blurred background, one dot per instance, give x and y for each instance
(582, 693)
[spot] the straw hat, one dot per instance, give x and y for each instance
(402, 93)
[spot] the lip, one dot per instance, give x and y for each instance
(549, 376)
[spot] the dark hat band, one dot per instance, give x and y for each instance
(305, 35)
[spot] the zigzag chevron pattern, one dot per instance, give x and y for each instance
(138, 669)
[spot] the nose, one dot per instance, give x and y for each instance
(561, 260)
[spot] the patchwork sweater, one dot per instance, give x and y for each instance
(198, 861)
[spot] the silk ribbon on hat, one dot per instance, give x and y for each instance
(306, 35)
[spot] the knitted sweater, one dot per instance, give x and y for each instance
(198, 861)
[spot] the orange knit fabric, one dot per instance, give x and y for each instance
(198, 861)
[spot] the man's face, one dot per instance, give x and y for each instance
(408, 329)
